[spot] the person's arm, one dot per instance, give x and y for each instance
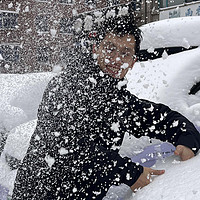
(159, 121)
(94, 171)
(184, 152)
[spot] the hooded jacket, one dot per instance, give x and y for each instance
(84, 114)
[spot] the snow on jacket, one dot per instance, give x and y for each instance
(84, 114)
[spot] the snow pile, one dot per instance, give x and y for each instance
(169, 81)
(16, 146)
(20, 97)
(180, 181)
(172, 33)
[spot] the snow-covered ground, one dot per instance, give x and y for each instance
(20, 96)
(167, 80)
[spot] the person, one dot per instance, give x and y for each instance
(83, 116)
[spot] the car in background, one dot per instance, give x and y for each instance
(170, 35)
(168, 70)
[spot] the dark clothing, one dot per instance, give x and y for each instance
(82, 119)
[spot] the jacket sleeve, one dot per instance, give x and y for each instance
(61, 162)
(159, 121)
(95, 171)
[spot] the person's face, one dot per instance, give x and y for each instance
(116, 54)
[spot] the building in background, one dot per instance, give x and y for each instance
(178, 8)
(35, 35)
(149, 12)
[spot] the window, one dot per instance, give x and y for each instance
(43, 54)
(10, 53)
(42, 24)
(65, 26)
(66, 1)
(174, 3)
(167, 3)
(8, 20)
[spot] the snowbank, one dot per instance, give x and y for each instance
(180, 182)
(20, 97)
(162, 80)
(16, 146)
(171, 33)
(169, 80)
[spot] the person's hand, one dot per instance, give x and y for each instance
(184, 152)
(145, 178)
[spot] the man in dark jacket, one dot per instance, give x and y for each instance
(84, 114)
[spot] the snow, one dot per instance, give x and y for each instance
(110, 13)
(26, 9)
(57, 68)
(18, 139)
(20, 97)
(124, 66)
(10, 5)
(115, 127)
(53, 32)
(9, 11)
(171, 33)
(167, 80)
(98, 17)
(92, 80)
(50, 160)
(21, 94)
(88, 23)
(123, 11)
(77, 25)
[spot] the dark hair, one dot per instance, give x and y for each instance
(120, 25)
(118, 20)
